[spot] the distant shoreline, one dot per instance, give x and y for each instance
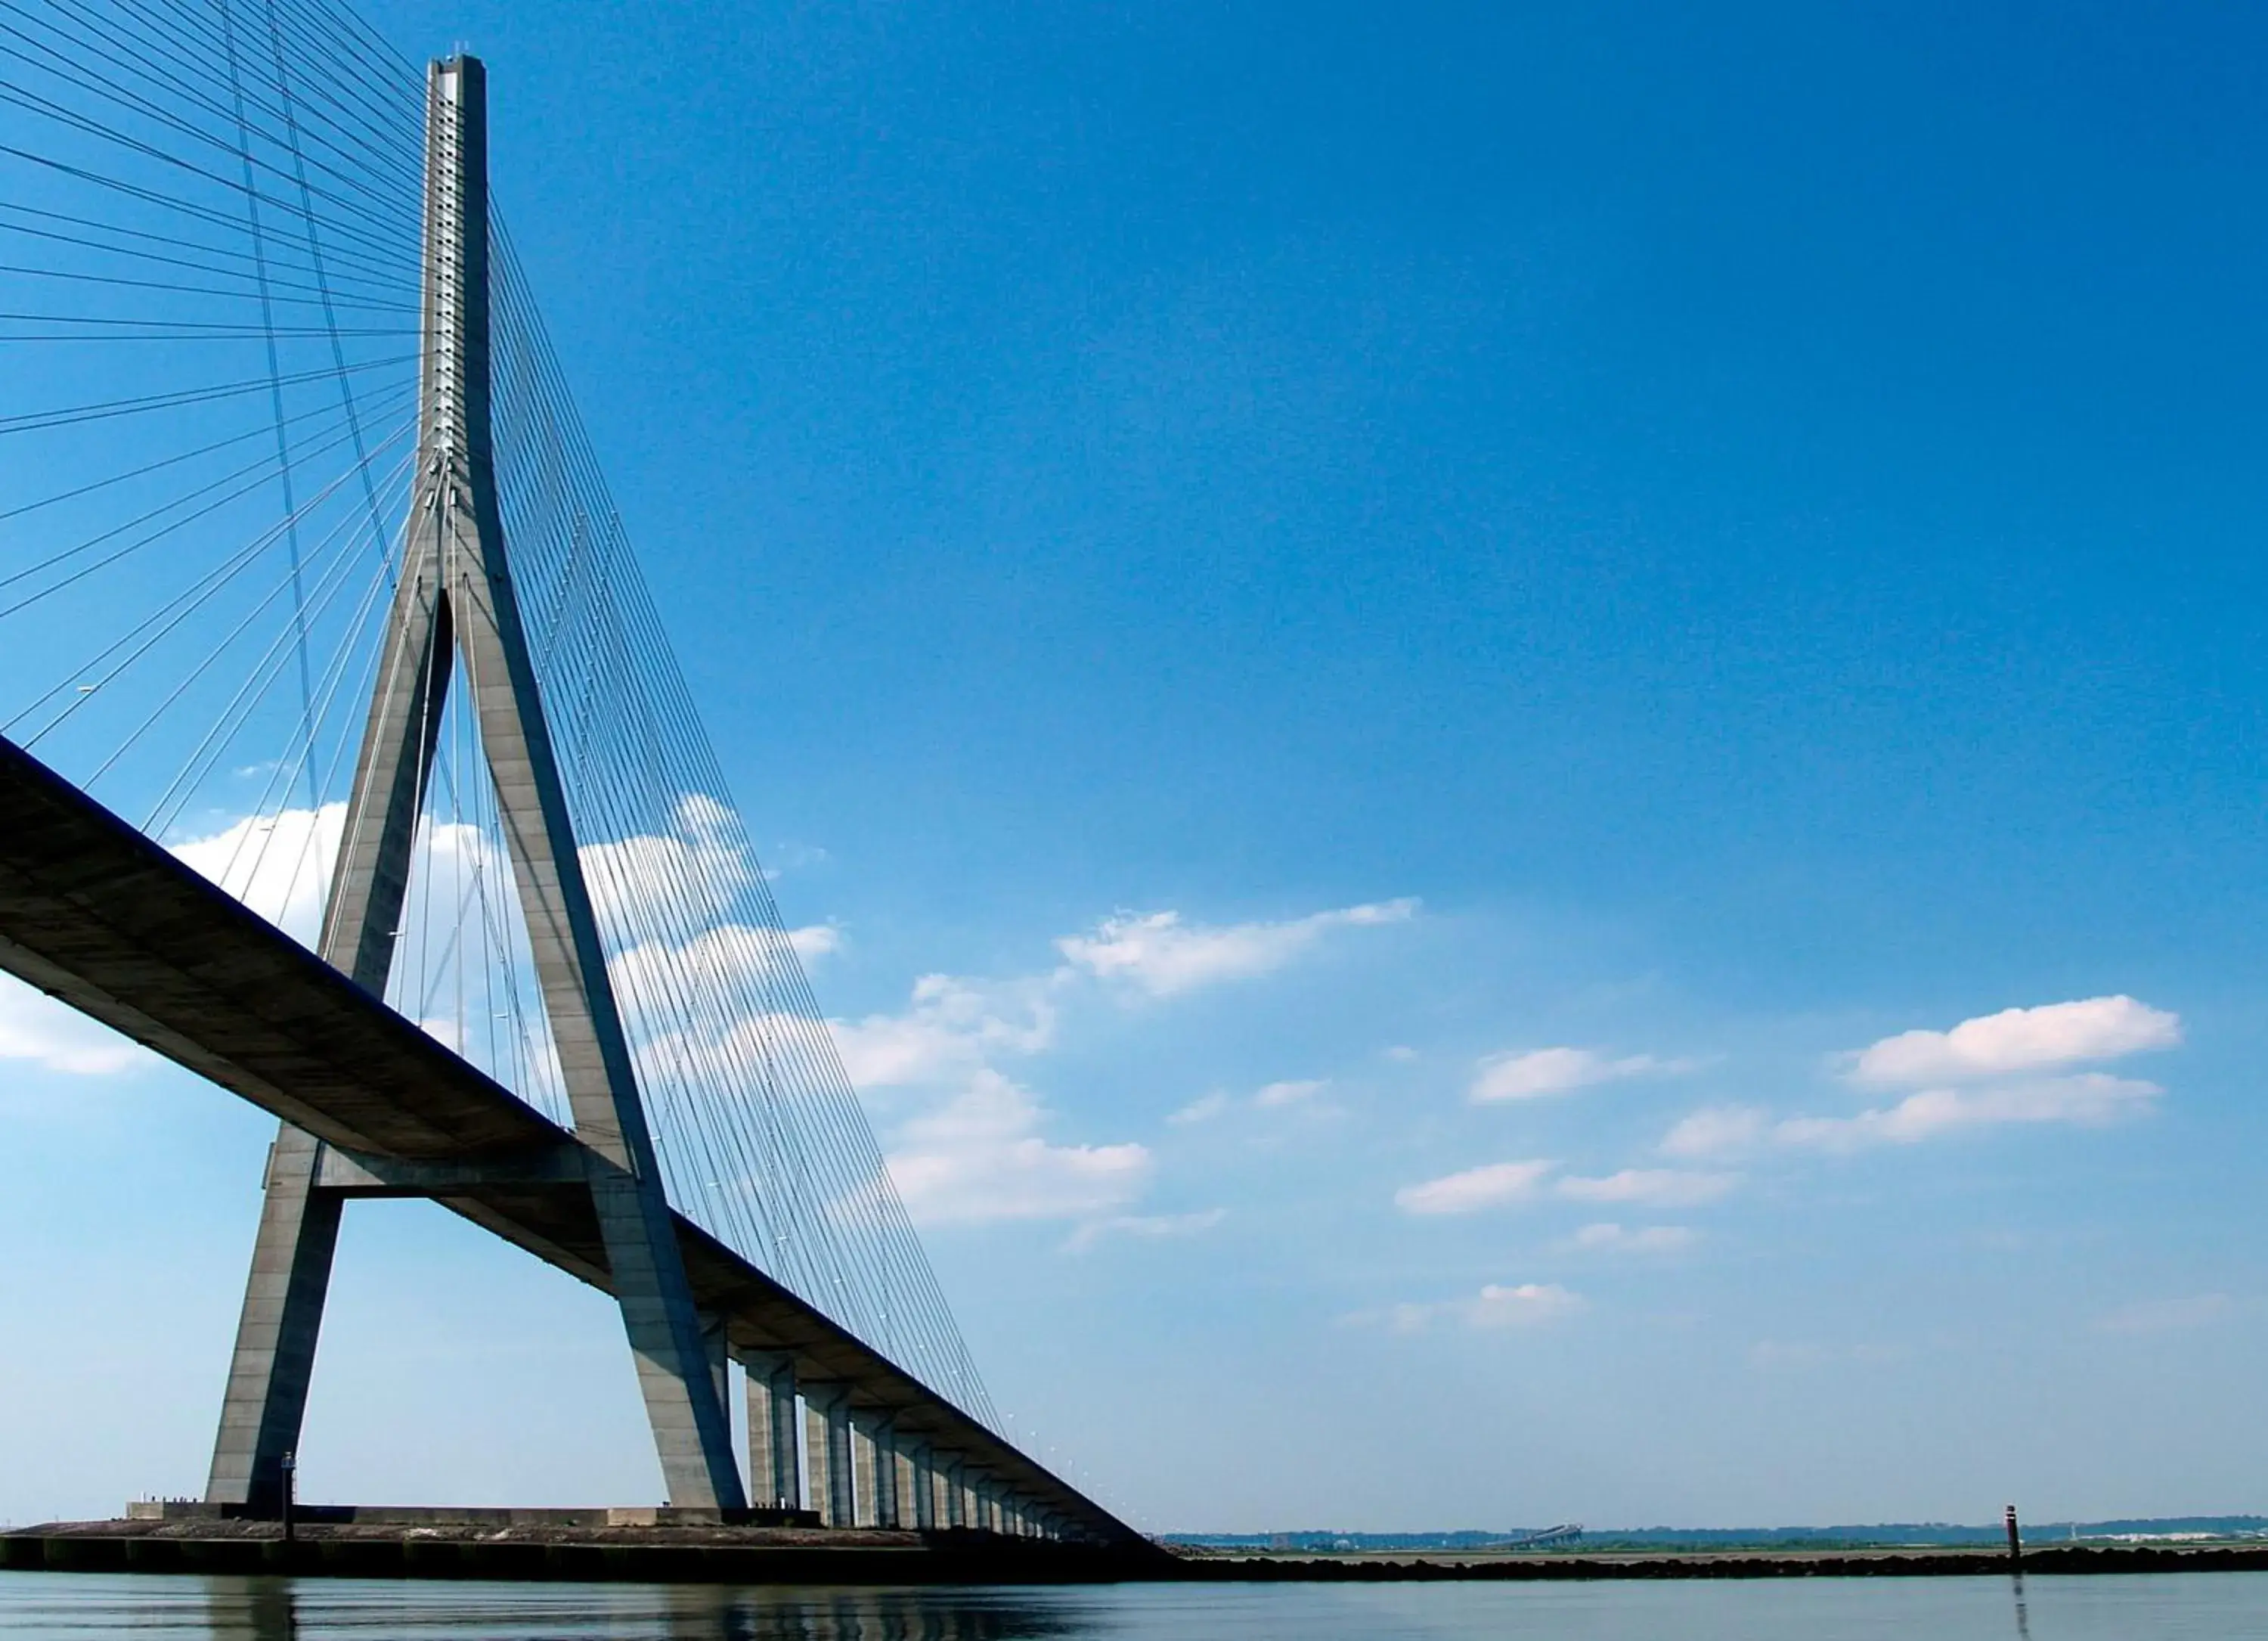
(1578, 1566)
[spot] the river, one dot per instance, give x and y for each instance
(79, 1606)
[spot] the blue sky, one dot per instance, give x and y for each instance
(1260, 570)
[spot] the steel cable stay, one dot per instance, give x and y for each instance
(276, 280)
(175, 287)
(162, 75)
(70, 118)
(274, 369)
(327, 587)
(167, 809)
(338, 82)
(869, 1168)
(159, 71)
(381, 251)
(465, 782)
(341, 543)
(853, 1161)
(869, 1174)
(37, 421)
(382, 280)
(286, 773)
(144, 634)
(316, 255)
(71, 70)
(259, 477)
(216, 335)
(79, 491)
(617, 825)
(385, 99)
(583, 669)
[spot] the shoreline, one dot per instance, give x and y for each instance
(781, 1555)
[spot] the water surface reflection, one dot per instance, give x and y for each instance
(2196, 1606)
(280, 1610)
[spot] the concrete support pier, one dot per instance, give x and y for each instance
(826, 1443)
(774, 1476)
(917, 1486)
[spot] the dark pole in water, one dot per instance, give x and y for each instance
(291, 1480)
(2015, 1542)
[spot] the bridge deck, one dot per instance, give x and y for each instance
(95, 913)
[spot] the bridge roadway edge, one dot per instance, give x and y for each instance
(96, 914)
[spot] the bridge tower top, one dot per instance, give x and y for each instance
(453, 391)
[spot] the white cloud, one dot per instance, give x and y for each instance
(814, 941)
(1542, 1071)
(1497, 1305)
(1204, 1108)
(34, 1026)
(1715, 1131)
(1149, 1227)
(685, 877)
(1527, 1305)
(1475, 1188)
(1657, 1188)
(2090, 1099)
(952, 1026)
(2163, 1316)
(980, 1157)
(1161, 955)
(1401, 1053)
(733, 955)
(1289, 1093)
(279, 865)
(1610, 1237)
(2018, 1040)
(1273, 1097)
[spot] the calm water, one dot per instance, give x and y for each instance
(73, 1606)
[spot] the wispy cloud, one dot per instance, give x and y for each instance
(2090, 1099)
(1537, 1073)
(1655, 1187)
(1268, 1096)
(1968, 1078)
(1146, 1227)
(34, 1027)
(1158, 953)
(1492, 1186)
(1610, 1237)
(1716, 1131)
(1497, 1305)
(2018, 1040)
(2166, 1316)
(1289, 1093)
(1497, 1184)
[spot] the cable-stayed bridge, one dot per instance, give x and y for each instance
(344, 761)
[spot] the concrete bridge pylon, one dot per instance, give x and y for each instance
(455, 609)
